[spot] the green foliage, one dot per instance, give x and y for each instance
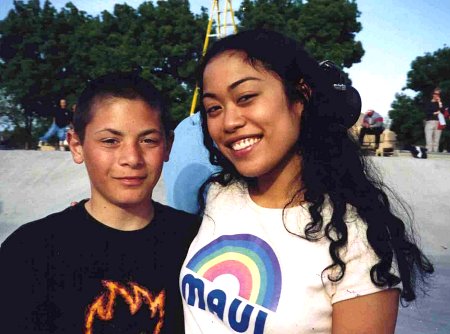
(46, 54)
(430, 71)
(11, 114)
(327, 28)
(33, 51)
(14, 129)
(427, 72)
(407, 120)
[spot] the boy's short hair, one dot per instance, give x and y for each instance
(127, 85)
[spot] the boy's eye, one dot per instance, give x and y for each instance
(110, 141)
(150, 141)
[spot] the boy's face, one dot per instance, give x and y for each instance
(124, 149)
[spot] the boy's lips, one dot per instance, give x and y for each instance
(131, 180)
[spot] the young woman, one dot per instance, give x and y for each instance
(432, 129)
(298, 235)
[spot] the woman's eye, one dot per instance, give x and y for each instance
(211, 110)
(246, 98)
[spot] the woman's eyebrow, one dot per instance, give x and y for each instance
(240, 81)
(231, 86)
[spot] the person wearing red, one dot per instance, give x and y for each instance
(372, 125)
(433, 110)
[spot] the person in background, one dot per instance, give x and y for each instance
(109, 264)
(62, 118)
(297, 233)
(372, 124)
(433, 109)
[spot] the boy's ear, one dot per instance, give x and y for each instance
(76, 148)
(169, 142)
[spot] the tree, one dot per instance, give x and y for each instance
(11, 114)
(327, 28)
(33, 54)
(427, 72)
(13, 120)
(170, 50)
(46, 54)
(407, 120)
(430, 71)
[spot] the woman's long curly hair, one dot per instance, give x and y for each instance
(333, 166)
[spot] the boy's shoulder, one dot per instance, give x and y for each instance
(176, 217)
(47, 227)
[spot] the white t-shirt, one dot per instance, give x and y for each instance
(245, 273)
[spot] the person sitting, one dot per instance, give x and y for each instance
(372, 125)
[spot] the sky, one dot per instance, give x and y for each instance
(394, 33)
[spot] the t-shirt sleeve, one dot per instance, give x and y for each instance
(359, 258)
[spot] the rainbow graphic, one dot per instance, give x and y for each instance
(248, 258)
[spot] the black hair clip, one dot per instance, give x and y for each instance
(340, 82)
(349, 109)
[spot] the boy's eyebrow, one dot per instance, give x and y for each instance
(120, 133)
(149, 132)
(232, 86)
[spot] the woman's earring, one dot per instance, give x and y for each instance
(304, 90)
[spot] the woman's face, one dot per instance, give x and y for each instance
(436, 95)
(249, 117)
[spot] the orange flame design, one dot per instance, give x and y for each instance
(103, 306)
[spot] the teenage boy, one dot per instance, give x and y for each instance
(111, 263)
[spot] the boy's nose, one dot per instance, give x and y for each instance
(131, 155)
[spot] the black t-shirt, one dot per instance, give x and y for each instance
(63, 117)
(68, 273)
(430, 108)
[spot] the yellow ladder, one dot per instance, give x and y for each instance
(223, 27)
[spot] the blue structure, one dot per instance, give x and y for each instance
(188, 166)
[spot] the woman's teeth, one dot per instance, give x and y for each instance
(244, 143)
